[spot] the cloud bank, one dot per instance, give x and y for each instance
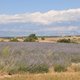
(45, 18)
(53, 22)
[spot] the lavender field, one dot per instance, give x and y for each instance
(14, 54)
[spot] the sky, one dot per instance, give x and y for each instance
(42, 17)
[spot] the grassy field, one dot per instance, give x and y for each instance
(48, 76)
(38, 61)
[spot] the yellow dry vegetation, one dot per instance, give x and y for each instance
(45, 76)
(48, 39)
(55, 39)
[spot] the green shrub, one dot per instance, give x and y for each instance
(31, 38)
(64, 40)
(59, 68)
(17, 69)
(14, 40)
(75, 60)
(12, 71)
(23, 69)
(5, 51)
(42, 68)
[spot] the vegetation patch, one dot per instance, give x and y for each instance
(31, 38)
(14, 40)
(64, 40)
(41, 68)
(60, 68)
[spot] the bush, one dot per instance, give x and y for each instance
(42, 38)
(14, 40)
(59, 68)
(31, 38)
(75, 60)
(17, 69)
(64, 40)
(42, 68)
(23, 69)
(12, 71)
(5, 51)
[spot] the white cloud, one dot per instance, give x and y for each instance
(54, 29)
(42, 18)
(62, 29)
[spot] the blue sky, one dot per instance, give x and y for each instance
(43, 17)
(21, 6)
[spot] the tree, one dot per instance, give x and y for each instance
(31, 38)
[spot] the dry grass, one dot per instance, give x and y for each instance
(48, 76)
(51, 75)
(50, 39)
(55, 39)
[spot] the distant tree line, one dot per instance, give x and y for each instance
(30, 38)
